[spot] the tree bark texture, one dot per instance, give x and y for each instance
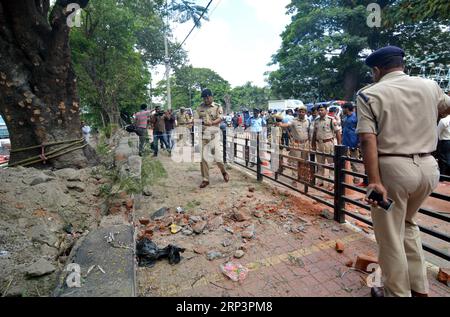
(38, 91)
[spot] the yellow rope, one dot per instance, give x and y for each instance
(51, 154)
(44, 144)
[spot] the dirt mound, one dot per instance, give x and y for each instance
(42, 214)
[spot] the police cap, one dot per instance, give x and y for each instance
(206, 93)
(384, 56)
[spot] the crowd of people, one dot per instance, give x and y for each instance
(397, 151)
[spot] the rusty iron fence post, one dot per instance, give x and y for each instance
(339, 178)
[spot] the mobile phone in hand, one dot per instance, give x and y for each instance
(376, 196)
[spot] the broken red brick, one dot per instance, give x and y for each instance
(366, 230)
(129, 203)
(444, 275)
(340, 246)
(349, 263)
(363, 261)
(144, 221)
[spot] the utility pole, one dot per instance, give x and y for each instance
(167, 60)
(169, 97)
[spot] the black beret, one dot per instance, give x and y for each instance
(383, 55)
(206, 93)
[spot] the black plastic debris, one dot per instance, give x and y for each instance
(148, 253)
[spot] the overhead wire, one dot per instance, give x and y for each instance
(193, 28)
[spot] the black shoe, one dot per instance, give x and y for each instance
(377, 292)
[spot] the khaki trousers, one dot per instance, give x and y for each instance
(215, 152)
(408, 183)
(326, 148)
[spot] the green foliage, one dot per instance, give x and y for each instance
(249, 96)
(410, 12)
(152, 171)
(187, 84)
(115, 46)
(323, 49)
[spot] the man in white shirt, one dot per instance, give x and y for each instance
(444, 145)
(86, 130)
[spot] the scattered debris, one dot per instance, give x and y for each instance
(363, 261)
(175, 228)
(215, 223)
(4, 253)
(193, 219)
(340, 246)
(212, 255)
(249, 232)
(199, 227)
(144, 221)
(251, 189)
(444, 276)
(227, 242)
(187, 231)
(235, 271)
(361, 224)
(240, 216)
(239, 254)
(148, 253)
(349, 263)
(159, 213)
(101, 269)
(180, 210)
(258, 213)
(229, 230)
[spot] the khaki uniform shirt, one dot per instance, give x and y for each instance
(325, 128)
(402, 111)
(208, 114)
(300, 130)
(183, 119)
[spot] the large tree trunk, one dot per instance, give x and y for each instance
(350, 83)
(38, 93)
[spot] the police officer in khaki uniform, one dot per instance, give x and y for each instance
(325, 131)
(299, 129)
(211, 115)
(184, 121)
(396, 148)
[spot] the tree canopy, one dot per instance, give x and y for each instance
(323, 48)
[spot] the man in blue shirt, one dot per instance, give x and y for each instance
(285, 135)
(349, 137)
(256, 122)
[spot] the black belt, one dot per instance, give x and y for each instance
(407, 155)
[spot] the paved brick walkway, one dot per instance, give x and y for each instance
(281, 262)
